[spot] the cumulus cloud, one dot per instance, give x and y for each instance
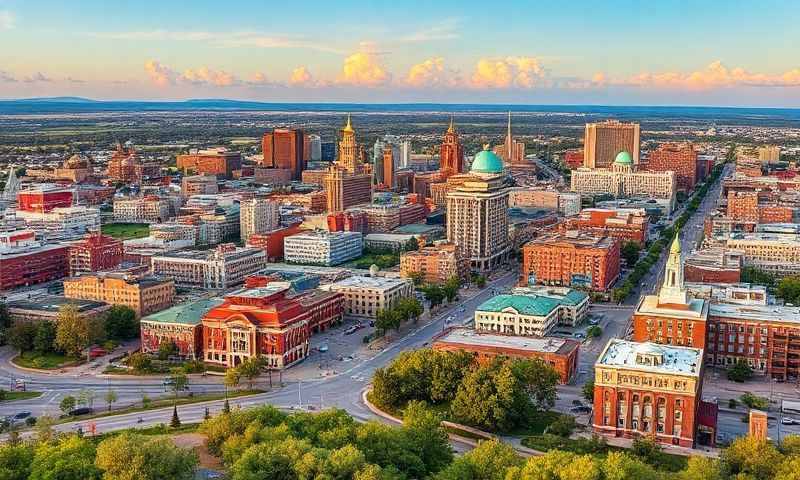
(6, 77)
(364, 69)
(258, 78)
(37, 77)
(207, 76)
(509, 72)
(301, 77)
(7, 20)
(714, 75)
(431, 73)
(159, 74)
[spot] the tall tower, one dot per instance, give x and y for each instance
(509, 142)
(12, 185)
(451, 153)
(672, 290)
(348, 149)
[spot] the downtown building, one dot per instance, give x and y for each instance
(364, 296)
(679, 158)
(148, 209)
(435, 264)
(199, 185)
(623, 224)
(532, 311)
(24, 261)
(218, 161)
(347, 183)
(126, 167)
(143, 295)
(477, 213)
(258, 215)
(603, 141)
(94, 253)
(221, 268)
(286, 149)
(320, 247)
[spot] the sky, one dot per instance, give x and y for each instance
(610, 52)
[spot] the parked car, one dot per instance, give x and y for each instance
(790, 421)
(351, 330)
(323, 348)
(81, 411)
(581, 409)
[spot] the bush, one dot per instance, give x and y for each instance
(733, 403)
(594, 331)
(740, 372)
(754, 401)
(563, 426)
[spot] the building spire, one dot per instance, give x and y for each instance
(348, 128)
(451, 128)
(509, 141)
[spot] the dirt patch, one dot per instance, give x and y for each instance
(197, 442)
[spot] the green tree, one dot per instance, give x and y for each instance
(178, 382)
(110, 398)
(490, 460)
(480, 281)
(754, 401)
(411, 245)
(563, 426)
(86, 397)
(15, 461)
(175, 422)
(140, 362)
(136, 457)
(73, 333)
(45, 337)
(594, 331)
(740, 371)
(121, 323)
(232, 378)
(167, 349)
(71, 458)
(434, 294)
(757, 276)
(22, 336)
(701, 468)
(630, 252)
(426, 437)
(789, 290)
(5, 317)
(750, 457)
(262, 461)
(250, 369)
(416, 278)
(587, 390)
(67, 404)
(450, 288)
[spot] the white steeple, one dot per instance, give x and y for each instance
(672, 290)
(12, 185)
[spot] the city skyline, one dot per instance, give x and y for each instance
(617, 53)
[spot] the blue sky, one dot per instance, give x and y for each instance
(601, 52)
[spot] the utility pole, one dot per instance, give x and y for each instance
(299, 396)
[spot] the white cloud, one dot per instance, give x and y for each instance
(714, 75)
(159, 74)
(37, 77)
(7, 20)
(508, 72)
(6, 77)
(301, 77)
(432, 73)
(364, 69)
(446, 30)
(207, 76)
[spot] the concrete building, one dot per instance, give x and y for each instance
(395, 242)
(217, 161)
(648, 390)
(603, 141)
(258, 215)
(623, 224)
(621, 180)
(43, 198)
(769, 153)
(571, 260)
(322, 248)
(285, 149)
(364, 296)
(775, 253)
(679, 158)
(220, 268)
(62, 223)
(272, 242)
(148, 209)
(95, 252)
(565, 204)
(477, 213)
(532, 311)
(435, 264)
(560, 353)
(144, 295)
(759, 207)
(24, 261)
(199, 185)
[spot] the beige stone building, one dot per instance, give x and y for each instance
(199, 185)
(364, 296)
(141, 210)
(778, 254)
(144, 296)
(477, 213)
(223, 267)
(603, 141)
(436, 263)
(258, 215)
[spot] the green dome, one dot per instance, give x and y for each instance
(487, 162)
(624, 158)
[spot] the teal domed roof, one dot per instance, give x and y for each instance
(624, 158)
(487, 161)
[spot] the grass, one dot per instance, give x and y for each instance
(163, 402)
(43, 361)
(26, 395)
(126, 231)
(386, 260)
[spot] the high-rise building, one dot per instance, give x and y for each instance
(603, 141)
(451, 153)
(769, 153)
(389, 167)
(213, 161)
(477, 213)
(512, 151)
(285, 149)
(315, 147)
(679, 158)
(346, 183)
(258, 215)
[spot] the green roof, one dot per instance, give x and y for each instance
(190, 313)
(525, 304)
(624, 158)
(487, 162)
(574, 297)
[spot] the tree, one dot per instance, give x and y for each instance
(702, 468)
(15, 461)
(73, 333)
(587, 390)
(479, 280)
(789, 289)
(250, 369)
(416, 278)
(178, 382)
(71, 458)
(490, 460)
(450, 288)
(86, 397)
(751, 457)
(263, 461)
(411, 245)
(232, 378)
(167, 349)
(22, 337)
(630, 252)
(426, 437)
(111, 398)
(434, 294)
(67, 404)
(140, 362)
(563, 426)
(594, 331)
(45, 337)
(740, 371)
(175, 422)
(129, 456)
(5, 317)
(121, 323)
(754, 401)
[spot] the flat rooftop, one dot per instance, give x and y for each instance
(358, 281)
(468, 336)
(671, 359)
(763, 313)
(575, 239)
(51, 303)
(189, 313)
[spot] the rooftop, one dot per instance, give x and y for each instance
(190, 313)
(573, 238)
(770, 313)
(358, 281)
(524, 304)
(468, 336)
(671, 359)
(51, 303)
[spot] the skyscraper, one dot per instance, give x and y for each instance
(451, 153)
(511, 151)
(477, 213)
(388, 164)
(346, 183)
(604, 140)
(315, 143)
(284, 148)
(258, 215)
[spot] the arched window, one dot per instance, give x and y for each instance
(661, 414)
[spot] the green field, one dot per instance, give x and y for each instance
(11, 396)
(126, 231)
(45, 361)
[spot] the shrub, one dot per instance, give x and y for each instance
(563, 426)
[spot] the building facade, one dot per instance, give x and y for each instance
(603, 141)
(220, 268)
(571, 260)
(180, 325)
(435, 264)
(322, 248)
(199, 185)
(451, 153)
(143, 295)
(531, 312)
(24, 261)
(149, 209)
(213, 161)
(364, 296)
(627, 225)
(285, 149)
(258, 215)
(679, 158)
(95, 252)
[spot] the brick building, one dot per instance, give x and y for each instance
(648, 390)
(180, 324)
(561, 354)
(436, 263)
(573, 159)
(757, 207)
(125, 167)
(144, 295)
(44, 198)
(451, 153)
(95, 252)
(272, 242)
(199, 185)
(571, 260)
(679, 158)
(625, 225)
(213, 161)
(285, 149)
(713, 265)
(25, 261)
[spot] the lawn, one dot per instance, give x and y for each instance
(11, 396)
(125, 231)
(43, 361)
(383, 261)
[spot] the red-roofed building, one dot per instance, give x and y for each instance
(272, 242)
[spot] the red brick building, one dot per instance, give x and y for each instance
(451, 153)
(573, 159)
(714, 265)
(757, 207)
(285, 149)
(44, 198)
(680, 158)
(571, 260)
(272, 242)
(95, 252)
(412, 213)
(180, 325)
(348, 221)
(648, 390)
(266, 322)
(213, 161)
(25, 261)
(625, 225)
(560, 353)
(126, 167)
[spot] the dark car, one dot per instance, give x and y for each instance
(581, 409)
(81, 411)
